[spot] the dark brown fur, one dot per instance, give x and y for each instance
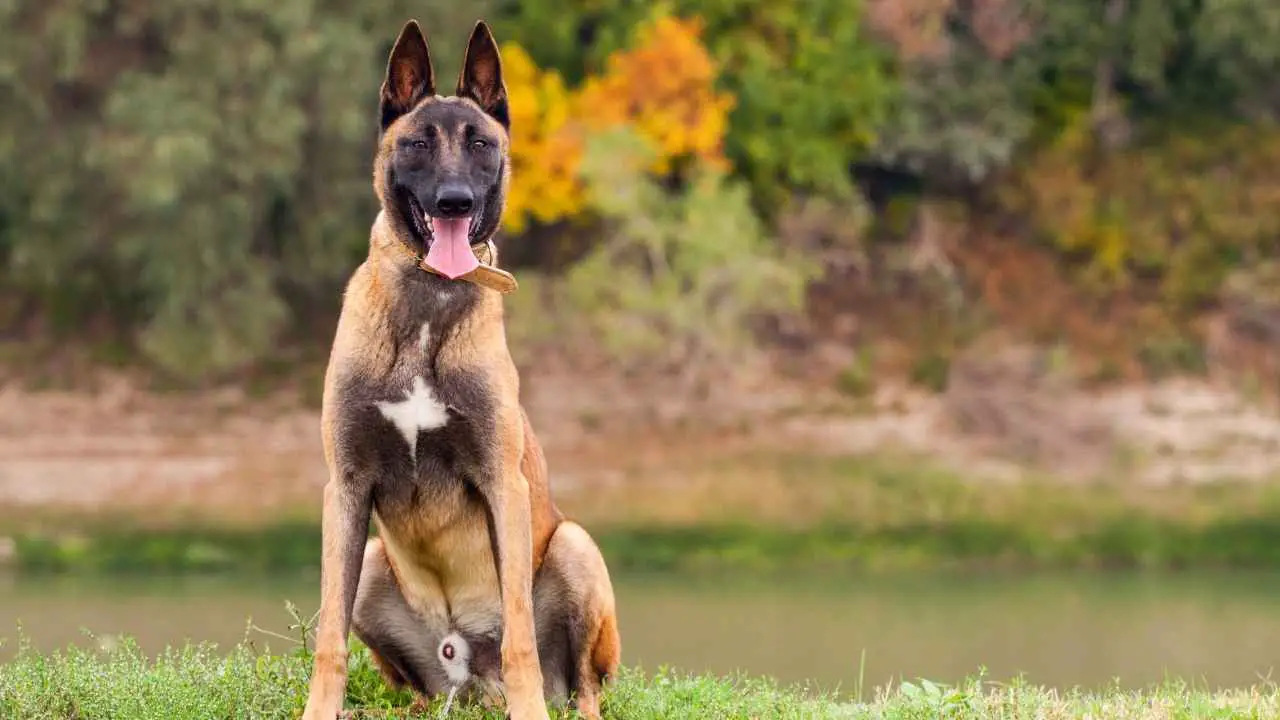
(424, 433)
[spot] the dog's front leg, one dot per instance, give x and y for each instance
(507, 493)
(344, 529)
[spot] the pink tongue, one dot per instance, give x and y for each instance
(450, 252)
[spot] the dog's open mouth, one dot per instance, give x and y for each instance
(448, 242)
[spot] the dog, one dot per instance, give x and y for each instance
(424, 432)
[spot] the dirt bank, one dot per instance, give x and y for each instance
(228, 455)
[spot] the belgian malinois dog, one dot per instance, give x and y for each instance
(424, 431)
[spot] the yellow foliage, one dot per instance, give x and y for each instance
(1181, 211)
(663, 88)
(544, 156)
(1078, 210)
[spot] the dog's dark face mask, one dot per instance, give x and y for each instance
(445, 175)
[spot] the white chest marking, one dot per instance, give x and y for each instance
(424, 336)
(420, 410)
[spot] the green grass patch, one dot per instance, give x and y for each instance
(115, 549)
(763, 513)
(1117, 543)
(1122, 543)
(204, 682)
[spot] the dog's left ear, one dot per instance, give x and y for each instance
(481, 77)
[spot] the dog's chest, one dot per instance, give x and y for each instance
(418, 425)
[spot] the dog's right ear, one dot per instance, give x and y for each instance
(410, 77)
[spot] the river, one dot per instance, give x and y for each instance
(1087, 630)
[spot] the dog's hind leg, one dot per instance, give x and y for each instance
(578, 642)
(402, 640)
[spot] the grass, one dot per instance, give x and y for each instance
(113, 548)
(1120, 542)
(765, 512)
(201, 681)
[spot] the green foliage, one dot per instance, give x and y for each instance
(198, 169)
(812, 92)
(191, 179)
(811, 89)
(858, 378)
(678, 277)
(1009, 71)
(959, 121)
(1183, 211)
(931, 370)
(1235, 41)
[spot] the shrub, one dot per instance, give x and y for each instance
(1183, 211)
(810, 89)
(678, 277)
(195, 173)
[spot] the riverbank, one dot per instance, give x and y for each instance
(122, 480)
(202, 682)
(755, 512)
(1122, 543)
(118, 448)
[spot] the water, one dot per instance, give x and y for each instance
(1077, 630)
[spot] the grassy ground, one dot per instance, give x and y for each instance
(1123, 542)
(202, 682)
(763, 512)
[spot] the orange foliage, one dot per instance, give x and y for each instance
(663, 88)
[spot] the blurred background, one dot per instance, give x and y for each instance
(871, 338)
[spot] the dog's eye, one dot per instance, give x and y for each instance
(419, 144)
(478, 144)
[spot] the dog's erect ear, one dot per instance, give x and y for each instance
(409, 75)
(481, 78)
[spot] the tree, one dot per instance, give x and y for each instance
(197, 171)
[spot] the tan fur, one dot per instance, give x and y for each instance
(439, 556)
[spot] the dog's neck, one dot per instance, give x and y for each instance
(486, 275)
(407, 296)
(399, 267)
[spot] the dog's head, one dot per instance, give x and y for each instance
(441, 170)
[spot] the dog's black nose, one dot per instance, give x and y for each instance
(454, 201)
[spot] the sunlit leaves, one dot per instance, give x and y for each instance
(662, 88)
